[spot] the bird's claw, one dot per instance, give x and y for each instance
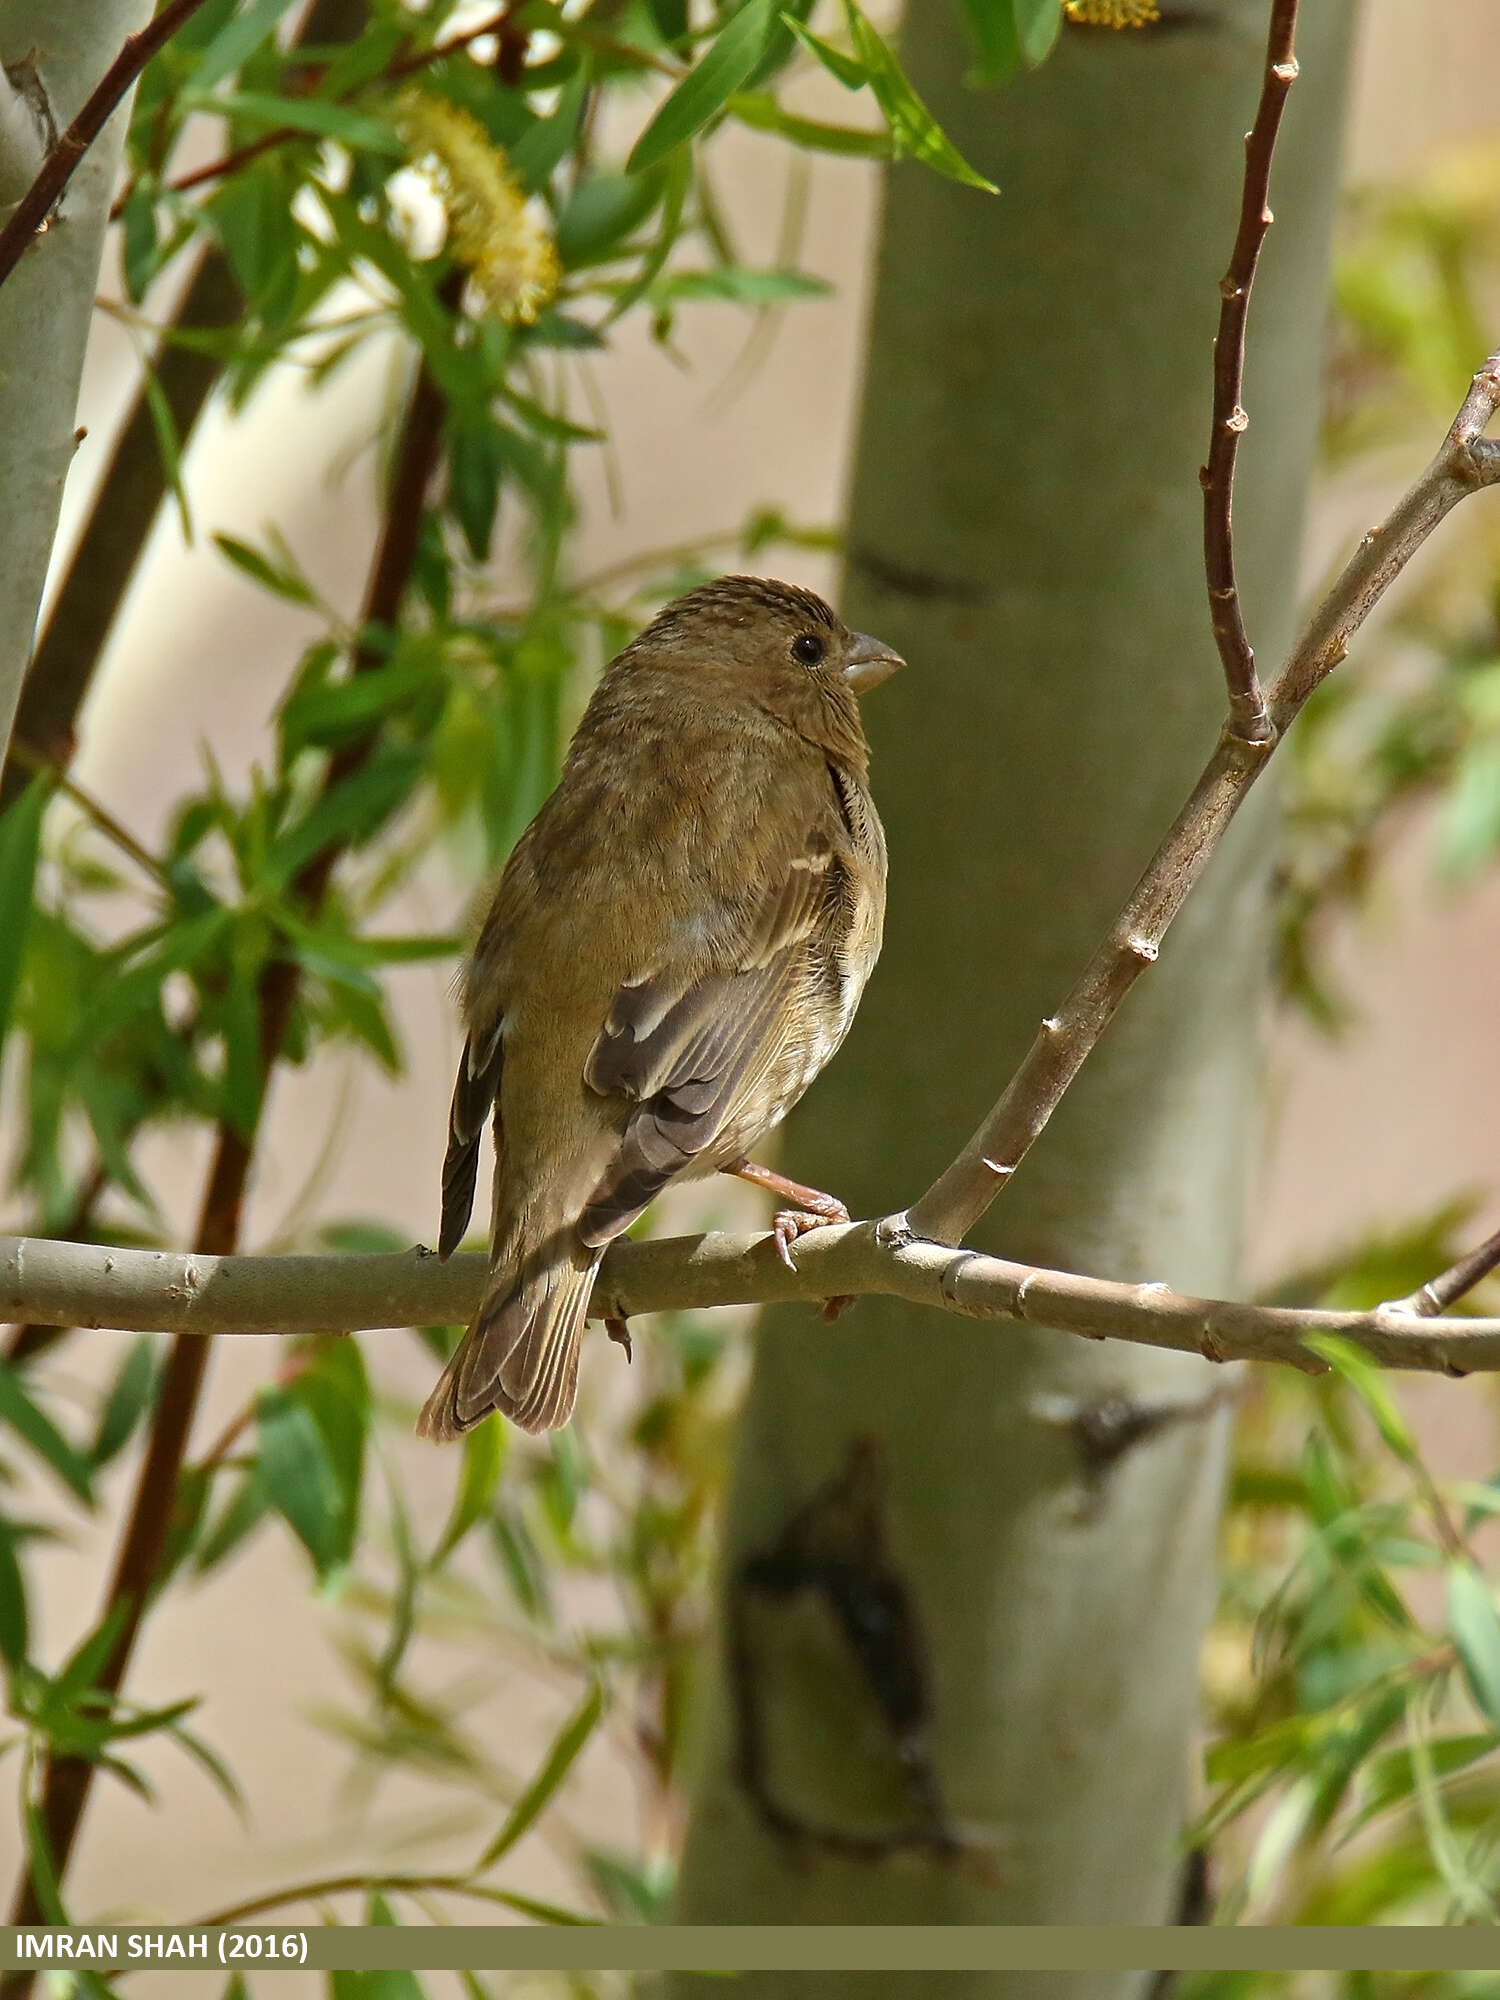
(791, 1223)
(619, 1332)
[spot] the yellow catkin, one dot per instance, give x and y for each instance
(1111, 13)
(491, 230)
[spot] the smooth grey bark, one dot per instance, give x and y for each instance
(1026, 528)
(45, 307)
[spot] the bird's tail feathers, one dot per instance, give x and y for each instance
(520, 1354)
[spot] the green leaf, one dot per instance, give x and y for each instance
(127, 1400)
(281, 579)
(742, 287)
(240, 38)
(483, 1457)
(678, 179)
(299, 1476)
(1369, 1384)
(138, 252)
(569, 1740)
(601, 213)
(168, 445)
(44, 1883)
(851, 74)
(321, 713)
(1389, 1779)
(727, 64)
(45, 1439)
(913, 126)
(20, 840)
(670, 19)
(313, 115)
(476, 466)
(354, 811)
(337, 1392)
(1469, 822)
(1476, 1634)
(1038, 24)
(13, 1627)
(536, 154)
(242, 1514)
(764, 114)
(994, 39)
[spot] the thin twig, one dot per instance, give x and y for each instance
(1248, 716)
(37, 761)
(1465, 463)
(62, 162)
(193, 1296)
(396, 71)
(1449, 1287)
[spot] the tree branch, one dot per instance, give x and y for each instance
(1435, 1297)
(60, 164)
(956, 1200)
(194, 1296)
(1248, 717)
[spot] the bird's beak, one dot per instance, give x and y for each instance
(869, 663)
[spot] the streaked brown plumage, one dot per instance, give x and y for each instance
(676, 948)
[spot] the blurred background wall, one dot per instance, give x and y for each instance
(1384, 1124)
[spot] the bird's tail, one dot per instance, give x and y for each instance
(520, 1354)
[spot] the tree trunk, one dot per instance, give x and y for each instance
(1010, 1739)
(46, 303)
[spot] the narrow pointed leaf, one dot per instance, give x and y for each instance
(570, 1739)
(724, 68)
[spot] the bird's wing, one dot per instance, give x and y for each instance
(691, 1056)
(475, 1091)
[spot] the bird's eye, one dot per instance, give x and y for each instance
(808, 648)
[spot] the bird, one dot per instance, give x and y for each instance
(675, 948)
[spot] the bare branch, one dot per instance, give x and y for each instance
(1248, 716)
(158, 1290)
(60, 164)
(956, 1200)
(1441, 1292)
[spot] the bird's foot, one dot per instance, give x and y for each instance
(814, 1210)
(619, 1332)
(790, 1223)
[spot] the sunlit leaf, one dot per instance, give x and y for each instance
(913, 126)
(1372, 1387)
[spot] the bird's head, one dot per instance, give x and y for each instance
(778, 646)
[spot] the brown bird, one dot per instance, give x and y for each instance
(676, 948)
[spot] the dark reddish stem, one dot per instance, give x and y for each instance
(66, 1780)
(61, 163)
(1248, 717)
